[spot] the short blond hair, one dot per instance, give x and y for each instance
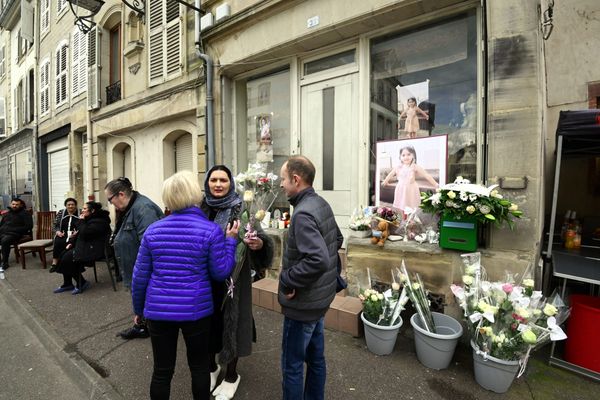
(182, 190)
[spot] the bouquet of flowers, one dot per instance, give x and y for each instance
(463, 199)
(383, 308)
(507, 319)
(360, 220)
(387, 214)
(418, 296)
(258, 191)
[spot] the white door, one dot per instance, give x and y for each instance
(329, 138)
(58, 165)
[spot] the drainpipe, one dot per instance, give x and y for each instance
(209, 112)
(90, 158)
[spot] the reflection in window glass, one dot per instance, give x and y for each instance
(267, 129)
(436, 66)
(336, 60)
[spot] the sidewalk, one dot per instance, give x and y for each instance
(81, 331)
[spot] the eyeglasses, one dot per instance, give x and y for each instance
(111, 197)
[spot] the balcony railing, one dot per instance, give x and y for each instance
(113, 92)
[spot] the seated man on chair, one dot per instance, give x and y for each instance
(16, 223)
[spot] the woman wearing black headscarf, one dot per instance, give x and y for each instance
(232, 329)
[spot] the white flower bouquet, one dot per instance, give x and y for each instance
(507, 319)
(360, 220)
(462, 199)
(383, 307)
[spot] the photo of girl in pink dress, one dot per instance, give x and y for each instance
(407, 192)
(411, 125)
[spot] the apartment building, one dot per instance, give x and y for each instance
(17, 100)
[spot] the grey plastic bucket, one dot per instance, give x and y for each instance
(492, 373)
(380, 339)
(435, 350)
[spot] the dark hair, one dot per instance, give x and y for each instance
(413, 99)
(93, 206)
(218, 167)
(121, 184)
(410, 150)
(301, 166)
(68, 199)
(18, 200)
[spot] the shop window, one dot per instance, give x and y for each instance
(263, 121)
(436, 65)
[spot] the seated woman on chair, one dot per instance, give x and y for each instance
(65, 223)
(88, 246)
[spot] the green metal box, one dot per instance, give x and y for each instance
(458, 234)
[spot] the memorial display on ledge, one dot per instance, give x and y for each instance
(462, 207)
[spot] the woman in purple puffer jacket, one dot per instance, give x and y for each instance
(171, 287)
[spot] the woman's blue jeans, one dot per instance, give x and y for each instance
(303, 342)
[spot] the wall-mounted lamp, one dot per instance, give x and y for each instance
(547, 24)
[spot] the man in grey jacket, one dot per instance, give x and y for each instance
(307, 282)
(135, 212)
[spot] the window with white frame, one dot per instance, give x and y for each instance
(61, 6)
(61, 74)
(165, 44)
(79, 52)
(44, 87)
(44, 16)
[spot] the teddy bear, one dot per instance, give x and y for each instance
(380, 234)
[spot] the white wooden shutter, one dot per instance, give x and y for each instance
(183, 153)
(44, 15)
(83, 53)
(45, 87)
(93, 68)
(173, 39)
(61, 74)
(75, 48)
(156, 45)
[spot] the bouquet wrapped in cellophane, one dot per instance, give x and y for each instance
(258, 190)
(382, 307)
(507, 319)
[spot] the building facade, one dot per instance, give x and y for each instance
(17, 101)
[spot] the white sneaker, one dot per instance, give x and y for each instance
(226, 390)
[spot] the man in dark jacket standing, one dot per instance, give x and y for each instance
(16, 223)
(136, 212)
(307, 282)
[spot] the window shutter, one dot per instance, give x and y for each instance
(183, 153)
(27, 21)
(63, 81)
(173, 39)
(156, 43)
(93, 68)
(83, 52)
(75, 61)
(44, 92)
(57, 85)
(45, 15)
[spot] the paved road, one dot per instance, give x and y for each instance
(83, 329)
(29, 371)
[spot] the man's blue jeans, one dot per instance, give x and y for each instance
(303, 342)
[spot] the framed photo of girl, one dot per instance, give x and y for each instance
(407, 167)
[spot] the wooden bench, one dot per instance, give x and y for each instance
(43, 238)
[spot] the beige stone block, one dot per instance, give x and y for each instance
(255, 296)
(331, 319)
(265, 299)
